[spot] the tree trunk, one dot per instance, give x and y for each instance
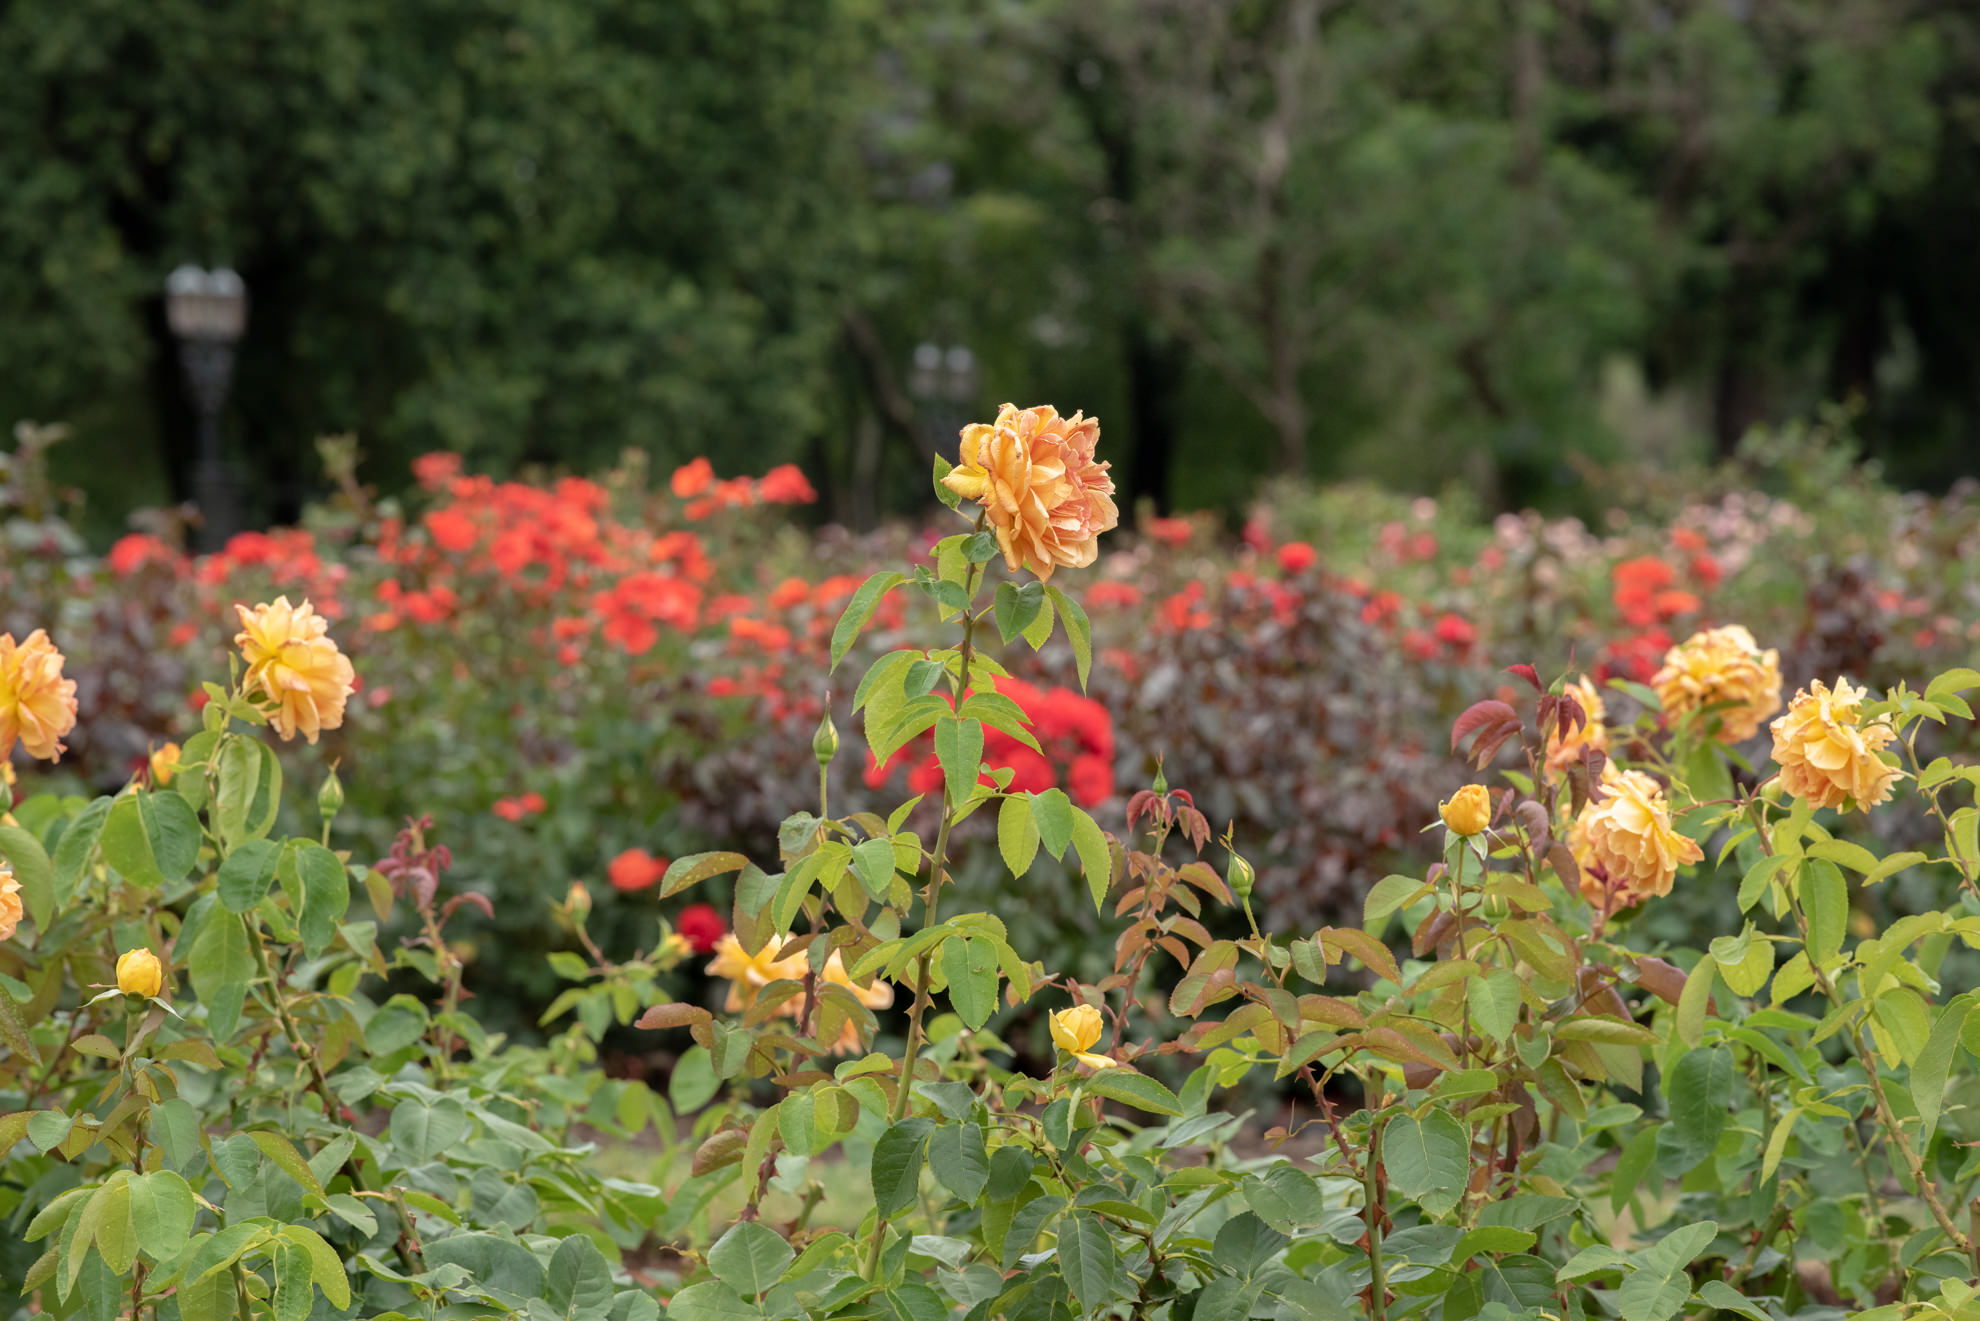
(1155, 367)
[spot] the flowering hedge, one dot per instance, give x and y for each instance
(581, 679)
(1530, 1106)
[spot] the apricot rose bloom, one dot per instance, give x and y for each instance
(1721, 665)
(164, 764)
(1565, 746)
(1045, 497)
(10, 902)
(1624, 843)
(37, 705)
(748, 974)
(139, 973)
(293, 663)
(1828, 756)
(1075, 1030)
(1469, 810)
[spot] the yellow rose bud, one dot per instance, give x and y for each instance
(164, 764)
(139, 973)
(1075, 1031)
(578, 901)
(1469, 811)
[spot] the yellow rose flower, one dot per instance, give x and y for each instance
(1828, 756)
(10, 902)
(1046, 498)
(1721, 665)
(1565, 748)
(37, 705)
(139, 973)
(749, 973)
(1075, 1031)
(1469, 810)
(164, 764)
(294, 664)
(1624, 843)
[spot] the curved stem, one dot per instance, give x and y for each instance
(937, 870)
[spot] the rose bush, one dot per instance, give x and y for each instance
(1531, 1104)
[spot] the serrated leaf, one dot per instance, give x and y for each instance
(860, 609)
(1017, 834)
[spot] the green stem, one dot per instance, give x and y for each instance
(408, 1254)
(1371, 1208)
(937, 867)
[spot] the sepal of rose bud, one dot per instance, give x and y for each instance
(825, 743)
(139, 973)
(330, 798)
(1239, 875)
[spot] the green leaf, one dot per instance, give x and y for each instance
(579, 1281)
(1660, 1285)
(1719, 1294)
(971, 967)
(1016, 607)
(1017, 834)
(326, 1268)
(162, 1213)
(1427, 1159)
(1695, 1000)
(1929, 1071)
(498, 1264)
(860, 609)
(949, 497)
(221, 966)
(1086, 1259)
(151, 838)
(697, 867)
(247, 873)
(896, 1165)
(873, 862)
(47, 1129)
(1386, 896)
(750, 1257)
(295, 1279)
(287, 1159)
(23, 852)
(423, 1129)
(956, 1154)
(1079, 631)
(77, 843)
(1494, 1000)
(1637, 1156)
(1825, 900)
(1096, 861)
(959, 749)
(1135, 1089)
(311, 873)
(1699, 1090)
(1052, 811)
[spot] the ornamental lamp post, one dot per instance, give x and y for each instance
(207, 311)
(943, 383)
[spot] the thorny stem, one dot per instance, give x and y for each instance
(408, 1254)
(937, 866)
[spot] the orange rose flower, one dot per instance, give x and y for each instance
(37, 705)
(1625, 845)
(1828, 756)
(1721, 665)
(1564, 748)
(293, 663)
(10, 902)
(1046, 497)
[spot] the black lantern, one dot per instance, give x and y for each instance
(207, 311)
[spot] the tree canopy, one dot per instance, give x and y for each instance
(1416, 239)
